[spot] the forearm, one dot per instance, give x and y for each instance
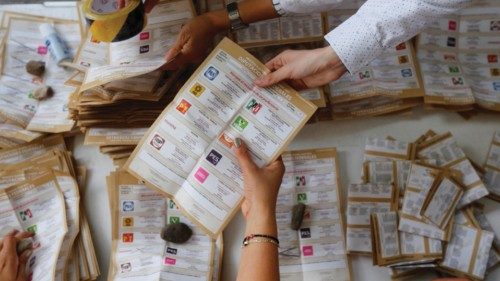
(261, 258)
(250, 11)
(380, 24)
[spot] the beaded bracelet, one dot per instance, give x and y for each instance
(260, 238)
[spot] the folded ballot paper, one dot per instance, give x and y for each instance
(416, 208)
(190, 146)
(40, 192)
(492, 168)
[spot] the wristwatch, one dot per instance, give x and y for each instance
(234, 17)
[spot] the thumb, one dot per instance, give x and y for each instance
(21, 268)
(246, 163)
(176, 49)
(274, 77)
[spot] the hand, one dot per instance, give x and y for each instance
(12, 265)
(148, 4)
(193, 41)
(304, 68)
(261, 185)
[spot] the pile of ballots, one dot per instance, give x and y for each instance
(121, 84)
(417, 208)
(41, 189)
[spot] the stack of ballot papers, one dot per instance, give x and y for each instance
(389, 84)
(459, 58)
(22, 117)
(283, 30)
(416, 207)
(40, 192)
(138, 215)
(121, 83)
(117, 143)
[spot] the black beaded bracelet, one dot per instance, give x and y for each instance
(268, 238)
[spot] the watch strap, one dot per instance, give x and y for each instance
(234, 17)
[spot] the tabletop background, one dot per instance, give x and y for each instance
(473, 135)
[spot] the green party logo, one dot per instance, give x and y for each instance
(302, 197)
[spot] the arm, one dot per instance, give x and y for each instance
(261, 187)
(378, 25)
(194, 39)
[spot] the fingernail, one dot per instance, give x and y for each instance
(237, 142)
(26, 254)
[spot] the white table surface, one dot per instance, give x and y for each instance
(347, 136)
(474, 136)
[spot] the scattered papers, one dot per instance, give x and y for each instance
(417, 209)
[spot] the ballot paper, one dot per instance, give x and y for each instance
(37, 206)
(441, 201)
(188, 153)
(458, 55)
(392, 247)
(362, 201)
(29, 150)
(138, 252)
(114, 136)
(378, 149)
(23, 43)
(445, 150)
(373, 106)
(420, 182)
(492, 168)
(17, 133)
(283, 30)
(467, 252)
(139, 55)
(387, 172)
(317, 250)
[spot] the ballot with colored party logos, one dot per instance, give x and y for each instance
(188, 153)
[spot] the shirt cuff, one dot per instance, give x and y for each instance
(355, 43)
